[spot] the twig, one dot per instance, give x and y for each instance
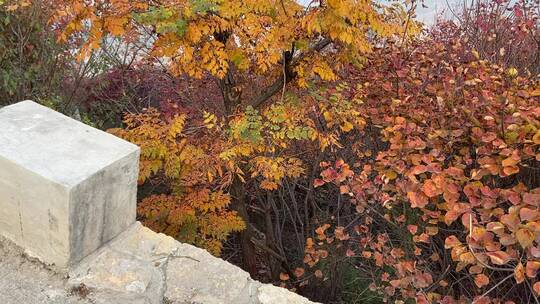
(494, 286)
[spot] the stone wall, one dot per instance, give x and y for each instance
(68, 232)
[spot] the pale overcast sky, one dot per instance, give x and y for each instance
(434, 7)
(427, 15)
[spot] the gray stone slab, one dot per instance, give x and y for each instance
(144, 265)
(65, 187)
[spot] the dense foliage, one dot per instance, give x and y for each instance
(332, 148)
(32, 64)
(447, 189)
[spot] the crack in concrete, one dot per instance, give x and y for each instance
(20, 219)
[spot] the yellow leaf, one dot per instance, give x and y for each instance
(346, 127)
(536, 138)
(525, 238)
(115, 25)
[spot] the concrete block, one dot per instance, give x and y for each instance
(65, 187)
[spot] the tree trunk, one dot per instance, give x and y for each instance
(239, 204)
(273, 263)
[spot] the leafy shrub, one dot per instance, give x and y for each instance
(502, 31)
(195, 208)
(32, 64)
(447, 202)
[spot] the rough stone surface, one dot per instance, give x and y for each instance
(23, 281)
(269, 294)
(137, 267)
(65, 188)
(142, 264)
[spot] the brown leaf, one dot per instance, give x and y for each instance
(531, 199)
(488, 137)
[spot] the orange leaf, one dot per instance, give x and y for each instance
(344, 189)
(481, 280)
(532, 268)
(318, 274)
(418, 199)
(527, 214)
(499, 257)
(451, 242)
(430, 189)
(366, 254)
(510, 170)
(519, 273)
(283, 276)
(536, 288)
(512, 160)
(298, 272)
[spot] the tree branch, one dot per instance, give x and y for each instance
(278, 84)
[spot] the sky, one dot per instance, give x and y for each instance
(428, 14)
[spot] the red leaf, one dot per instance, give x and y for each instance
(318, 182)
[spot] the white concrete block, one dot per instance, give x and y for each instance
(65, 187)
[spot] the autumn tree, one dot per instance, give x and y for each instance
(255, 49)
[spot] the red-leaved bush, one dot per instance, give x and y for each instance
(502, 31)
(444, 178)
